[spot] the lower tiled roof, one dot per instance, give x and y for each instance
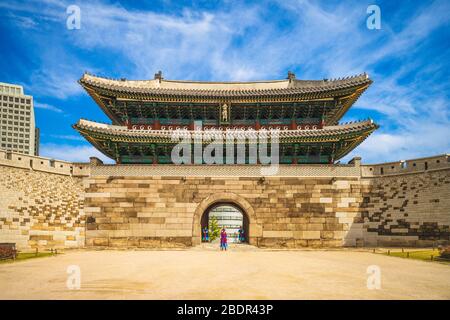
(115, 132)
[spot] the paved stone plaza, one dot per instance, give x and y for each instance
(241, 273)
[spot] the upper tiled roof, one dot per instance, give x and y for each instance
(222, 89)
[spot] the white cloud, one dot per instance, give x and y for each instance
(71, 153)
(56, 80)
(24, 22)
(406, 143)
(67, 137)
(46, 106)
(192, 44)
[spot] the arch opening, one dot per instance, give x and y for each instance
(227, 215)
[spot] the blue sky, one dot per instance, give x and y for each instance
(408, 59)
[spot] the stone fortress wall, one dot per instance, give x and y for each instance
(408, 202)
(46, 203)
(41, 202)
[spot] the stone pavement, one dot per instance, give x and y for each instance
(243, 272)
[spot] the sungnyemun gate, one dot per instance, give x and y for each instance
(175, 162)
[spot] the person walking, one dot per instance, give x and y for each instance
(241, 235)
(223, 240)
(205, 234)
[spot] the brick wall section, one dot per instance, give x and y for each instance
(40, 209)
(410, 209)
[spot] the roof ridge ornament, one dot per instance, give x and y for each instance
(159, 76)
(291, 76)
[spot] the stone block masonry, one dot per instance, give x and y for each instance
(40, 209)
(407, 210)
(302, 206)
(50, 204)
(166, 211)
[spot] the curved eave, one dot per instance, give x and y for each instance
(334, 118)
(172, 90)
(95, 141)
(276, 95)
(354, 134)
(356, 142)
(97, 98)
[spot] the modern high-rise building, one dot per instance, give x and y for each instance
(37, 137)
(17, 125)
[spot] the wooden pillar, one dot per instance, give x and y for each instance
(257, 124)
(155, 156)
(156, 124)
(293, 124)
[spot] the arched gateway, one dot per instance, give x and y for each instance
(228, 216)
(251, 228)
